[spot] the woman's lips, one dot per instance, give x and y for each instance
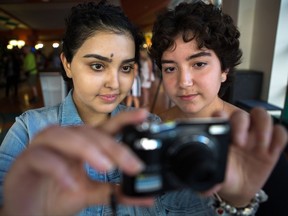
(109, 98)
(189, 97)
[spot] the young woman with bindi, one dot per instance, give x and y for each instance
(99, 50)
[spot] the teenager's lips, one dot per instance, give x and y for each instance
(188, 97)
(109, 98)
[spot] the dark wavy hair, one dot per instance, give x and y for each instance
(209, 27)
(86, 19)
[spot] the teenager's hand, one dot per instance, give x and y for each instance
(257, 145)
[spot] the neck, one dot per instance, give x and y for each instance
(96, 119)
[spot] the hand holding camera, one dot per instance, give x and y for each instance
(179, 154)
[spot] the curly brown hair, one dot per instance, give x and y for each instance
(210, 27)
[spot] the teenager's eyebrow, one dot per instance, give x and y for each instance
(197, 55)
(106, 59)
(200, 54)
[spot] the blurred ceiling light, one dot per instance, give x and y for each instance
(13, 42)
(18, 43)
(55, 45)
(9, 46)
(39, 46)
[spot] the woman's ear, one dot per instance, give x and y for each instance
(224, 75)
(66, 65)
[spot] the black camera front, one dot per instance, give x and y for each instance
(180, 154)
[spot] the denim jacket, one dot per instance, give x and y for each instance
(183, 202)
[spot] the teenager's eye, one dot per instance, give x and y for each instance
(200, 64)
(127, 68)
(97, 67)
(169, 69)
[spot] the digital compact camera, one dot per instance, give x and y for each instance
(179, 154)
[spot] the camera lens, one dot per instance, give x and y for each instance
(193, 163)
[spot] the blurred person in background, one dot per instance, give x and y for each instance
(147, 77)
(12, 69)
(30, 69)
(133, 98)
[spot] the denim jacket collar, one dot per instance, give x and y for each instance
(69, 113)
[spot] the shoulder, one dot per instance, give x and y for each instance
(230, 108)
(40, 117)
(28, 124)
(34, 120)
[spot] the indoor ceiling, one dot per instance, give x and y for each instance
(46, 17)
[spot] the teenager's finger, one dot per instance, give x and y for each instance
(240, 122)
(279, 140)
(261, 128)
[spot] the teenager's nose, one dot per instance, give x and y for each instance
(185, 79)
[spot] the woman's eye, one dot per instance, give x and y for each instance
(127, 68)
(97, 67)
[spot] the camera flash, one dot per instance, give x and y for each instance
(218, 129)
(147, 144)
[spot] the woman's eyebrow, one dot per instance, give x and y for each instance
(129, 60)
(106, 59)
(102, 58)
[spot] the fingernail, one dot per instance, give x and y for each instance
(140, 166)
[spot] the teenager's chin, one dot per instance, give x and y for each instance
(189, 109)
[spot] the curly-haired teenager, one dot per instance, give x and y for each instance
(197, 47)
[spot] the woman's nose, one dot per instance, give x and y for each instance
(112, 80)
